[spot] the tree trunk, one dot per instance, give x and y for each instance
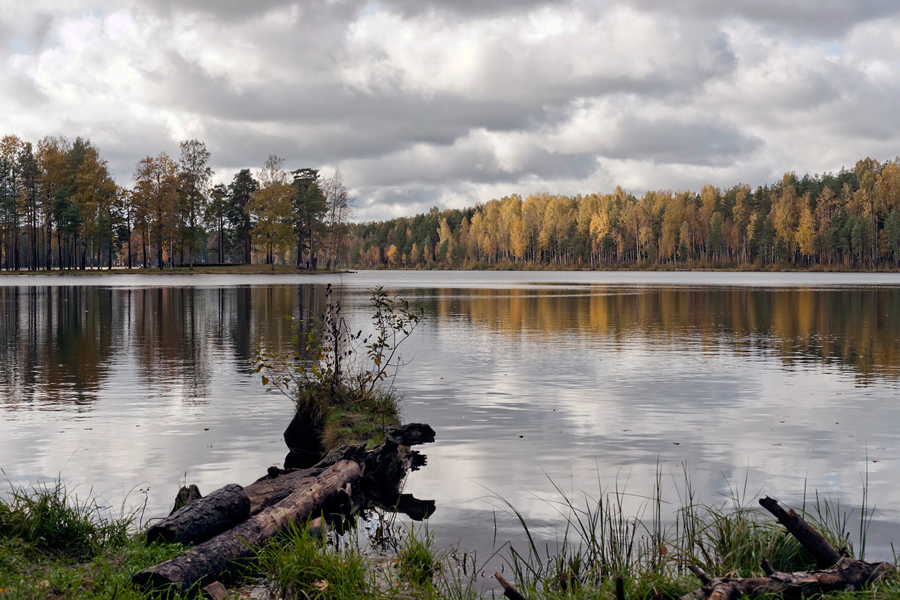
(202, 519)
(206, 562)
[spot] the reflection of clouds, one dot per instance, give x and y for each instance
(496, 360)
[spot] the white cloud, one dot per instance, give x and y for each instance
(450, 103)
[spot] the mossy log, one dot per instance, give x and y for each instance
(211, 559)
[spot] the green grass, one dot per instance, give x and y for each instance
(55, 545)
(600, 542)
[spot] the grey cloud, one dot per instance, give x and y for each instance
(802, 18)
(23, 90)
(238, 10)
(467, 8)
(707, 143)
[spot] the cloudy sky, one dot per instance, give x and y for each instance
(445, 103)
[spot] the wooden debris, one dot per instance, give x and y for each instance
(845, 573)
(343, 481)
(825, 555)
(203, 518)
(508, 590)
(215, 591)
(185, 496)
(219, 555)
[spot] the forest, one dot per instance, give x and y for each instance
(60, 208)
(848, 220)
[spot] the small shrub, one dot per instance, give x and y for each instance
(341, 378)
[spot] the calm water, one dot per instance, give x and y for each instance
(128, 386)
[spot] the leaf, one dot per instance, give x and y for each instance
(265, 380)
(321, 585)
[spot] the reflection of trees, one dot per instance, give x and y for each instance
(61, 344)
(56, 343)
(856, 328)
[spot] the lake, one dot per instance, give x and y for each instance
(127, 387)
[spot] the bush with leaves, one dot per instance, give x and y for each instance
(339, 376)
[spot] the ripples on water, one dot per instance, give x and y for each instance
(130, 386)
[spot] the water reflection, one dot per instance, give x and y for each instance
(855, 328)
(63, 344)
(124, 387)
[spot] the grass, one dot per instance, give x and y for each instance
(55, 545)
(600, 543)
(303, 565)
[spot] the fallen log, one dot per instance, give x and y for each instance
(208, 561)
(808, 537)
(275, 487)
(202, 519)
(846, 573)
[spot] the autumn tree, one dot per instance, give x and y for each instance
(54, 187)
(337, 198)
(271, 210)
(194, 176)
(156, 194)
(241, 189)
(10, 147)
(215, 216)
(309, 209)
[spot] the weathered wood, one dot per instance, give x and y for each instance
(215, 591)
(824, 554)
(217, 556)
(508, 590)
(203, 518)
(268, 491)
(186, 495)
(848, 574)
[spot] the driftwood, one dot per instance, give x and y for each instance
(275, 487)
(848, 574)
(845, 573)
(837, 573)
(345, 480)
(508, 590)
(217, 556)
(809, 538)
(202, 519)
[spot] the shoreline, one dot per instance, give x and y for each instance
(293, 270)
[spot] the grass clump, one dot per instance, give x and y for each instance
(340, 380)
(303, 565)
(601, 543)
(47, 519)
(55, 545)
(417, 560)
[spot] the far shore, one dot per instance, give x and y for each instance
(198, 269)
(285, 269)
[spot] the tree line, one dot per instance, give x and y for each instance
(60, 208)
(850, 219)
